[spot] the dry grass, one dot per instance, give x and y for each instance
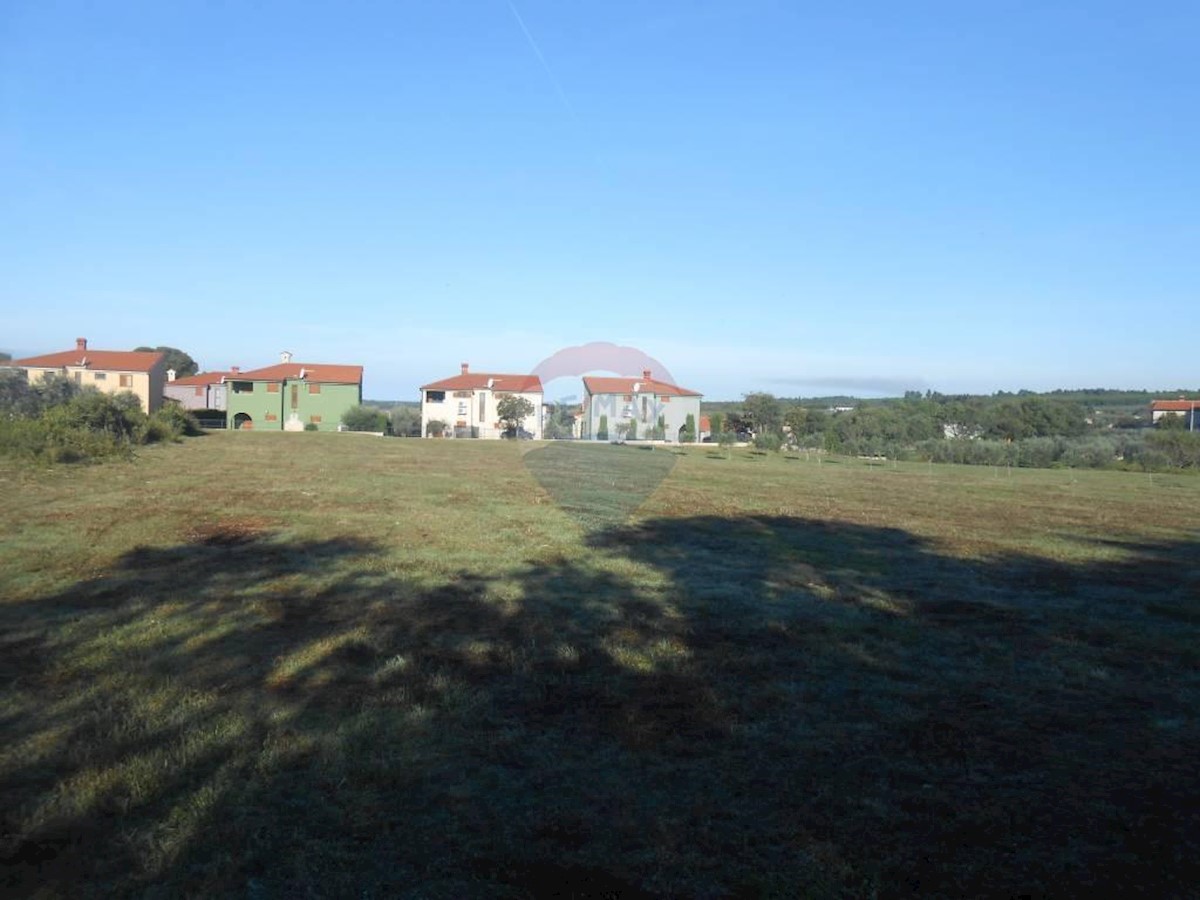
(287, 665)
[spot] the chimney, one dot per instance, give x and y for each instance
(645, 374)
(170, 374)
(465, 367)
(80, 344)
(285, 356)
(235, 369)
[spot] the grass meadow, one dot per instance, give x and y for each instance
(327, 665)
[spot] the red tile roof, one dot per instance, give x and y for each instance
(594, 385)
(320, 372)
(482, 381)
(102, 360)
(204, 378)
(1174, 405)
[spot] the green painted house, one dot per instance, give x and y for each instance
(291, 395)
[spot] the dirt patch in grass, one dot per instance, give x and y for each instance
(229, 532)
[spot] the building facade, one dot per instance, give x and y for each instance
(1188, 410)
(465, 405)
(141, 373)
(638, 409)
(290, 396)
(207, 390)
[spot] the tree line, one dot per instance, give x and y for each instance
(1024, 429)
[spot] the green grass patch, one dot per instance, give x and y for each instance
(272, 665)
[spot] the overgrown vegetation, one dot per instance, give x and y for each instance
(483, 668)
(366, 418)
(1027, 430)
(55, 421)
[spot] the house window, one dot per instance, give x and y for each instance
(462, 409)
(243, 387)
(271, 417)
(273, 387)
(199, 392)
(435, 396)
(458, 395)
(665, 399)
(628, 398)
(101, 376)
(126, 381)
(314, 389)
(48, 373)
(645, 409)
(79, 378)
(314, 419)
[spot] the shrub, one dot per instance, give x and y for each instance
(104, 413)
(365, 418)
(688, 434)
(311, 426)
(602, 431)
(180, 422)
(769, 441)
(630, 430)
(435, 428)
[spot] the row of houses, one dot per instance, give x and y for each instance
(287, 396)
(294, 396)
(466, 406)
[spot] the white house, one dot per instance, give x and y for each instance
(1188, 410)
(466, 403)
(639, 405)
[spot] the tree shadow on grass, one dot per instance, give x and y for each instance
(697, 707)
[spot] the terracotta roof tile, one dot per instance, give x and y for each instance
(482, 381)
(598, 385)
(319, 372)
(1174, 405)
(203, 378)
(103, 360)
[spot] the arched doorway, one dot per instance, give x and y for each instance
(243, 422)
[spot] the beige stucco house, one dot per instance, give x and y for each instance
(142, 373)
(466, 403)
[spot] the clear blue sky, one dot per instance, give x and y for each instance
(801, 198)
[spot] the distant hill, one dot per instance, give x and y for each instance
(392, 404)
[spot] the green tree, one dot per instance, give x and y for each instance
(1171, 422)
(435, 428)
(688, 435)
(176, 359)
(602, 431)
(716, 421)
(627, 430)
(560, 422)
(406, 421)
(763, 411)
(365, 418)
(726, 439)
(513, 411)
(796, 420)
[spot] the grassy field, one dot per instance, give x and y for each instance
(275, 665)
